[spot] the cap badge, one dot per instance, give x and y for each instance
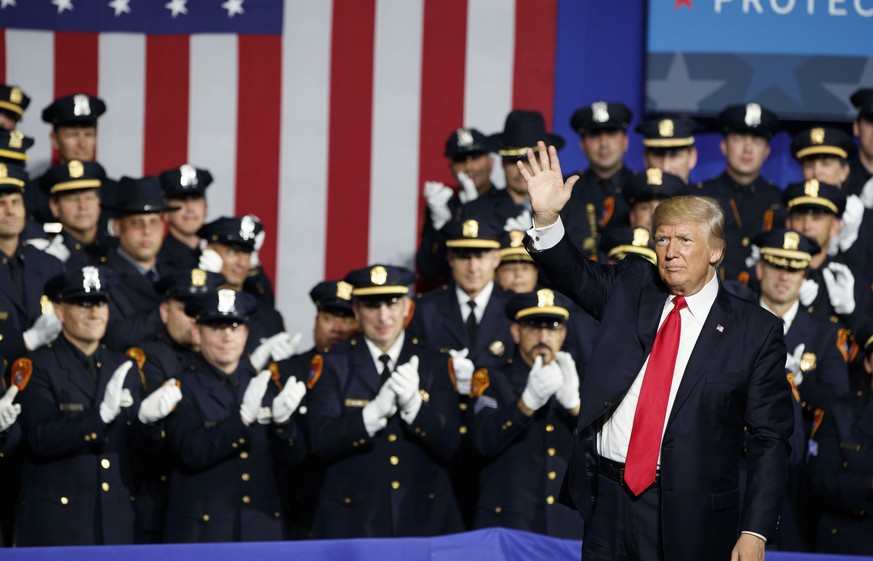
(81, 105)
(75, 169)
(3, 170)
(90, 278)
(378, 275)
(600, 111)
(810, 188)
(654, 176)
(817, 135)
(247, 227)
(516, 238)
(343, 290)
(545, 298)
(641, 237)
(15, 95)
(753, 115)
(666, 128)
(807, 362)
(198, 277)
(791, 241)
(470, 229)
(187, 176)
(16, 139)
(465, 137)
(226, 301)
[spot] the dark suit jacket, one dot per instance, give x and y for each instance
(133, 306)
(735, 379)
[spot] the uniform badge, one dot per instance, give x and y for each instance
(654, 176)
(378, 275)
(470, 229)
(187, 176)
(810, 188)
(753, 115)
(20, 373)
(497, 348)
(483, 402)
(4, 171)
(344, 290)
(315, 367)
(16, 96)
(75, 169)
(90, 278)
(608, 209)
(198, 277)
(465, 137)
(600, 112)
(226, 301)
(479, 383)
(641, 237)
(139, 356)
(247, 227)
(817, 135)
(16, 139)
(81, 105)
(666, 129)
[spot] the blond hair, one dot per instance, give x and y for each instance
(692, 209)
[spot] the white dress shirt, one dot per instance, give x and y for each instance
(481, 300)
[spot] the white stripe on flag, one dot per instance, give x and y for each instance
(212, 116)
(395, 134)
(303, 173)
(121, 82)
(489, 63)
(30, 65)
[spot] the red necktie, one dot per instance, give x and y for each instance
(645, 440)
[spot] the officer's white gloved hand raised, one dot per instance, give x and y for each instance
(45, 329)
(250, 408)
(288, 400)
(210, 261)
(160, 402)
(463, 368)
(377, 412)
(9, 411)
(406, 384)
(808, 292)
(542, 383)
(840, 283)
(468, 190)
(568, 394)
(521, 223)
(278, 347)
(116, 396)
(437, 196)
(850, 223)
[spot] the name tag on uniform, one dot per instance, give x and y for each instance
(4, 315)
(72, 407)
(357, 402)
(209, 424)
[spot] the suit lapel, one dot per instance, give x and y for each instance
(451, 313)
(652, 299)
(489, 327)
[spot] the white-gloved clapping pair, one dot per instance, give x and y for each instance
(284, 404)
(278, 347)
(399, 393)
(559, 378)
(437, 195)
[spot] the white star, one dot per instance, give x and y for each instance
(4, 3)
(233, 7)
(63, 5)
(177, 7)
(678, 91)
(842, 90)
(120, 7)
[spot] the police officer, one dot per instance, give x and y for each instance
(516, 271)
(645, 191)
(13, 103)
(861, 168)
(135, 301)
(230, 428)
(24, 270)
(668, 144)
(13, 147)
(751, 204)
(81, 426)
(524, 420)
(618, 243)
(841, 468)
(384, 415)
(602, 128)
(184, 187)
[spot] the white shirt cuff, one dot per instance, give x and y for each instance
(546, 237)
(763, 539)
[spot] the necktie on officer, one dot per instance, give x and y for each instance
(386, 367)
(471, 322)
(645, 441)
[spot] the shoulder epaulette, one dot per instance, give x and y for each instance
(316, 366)
(21, 372)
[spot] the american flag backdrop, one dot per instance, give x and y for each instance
(321, 117)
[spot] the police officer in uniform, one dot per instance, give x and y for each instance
(751, 204)
(668, 144)
(14, 146)
(524, 420)
(81, 427)
(184, 187)
(383, 414)
(645, 191)
(227, 433)
(861, 168)
(13, 103)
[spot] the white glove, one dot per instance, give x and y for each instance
(284, 347)
(250, 408)
(568, 394)
(808, 292)
(116, 396)
(210, 261)
(463, 368)
(867, 194)
(840, 283)
(851, 223)
(44, 330)
(437, 196)
(405, 383)
(377, 412)
(160, 402)
(792, 363)
(55, 248)
(542, 383)
(754, 257)
(279, 345)
(9, 411)
(468, 188)
(286, 403)
(254, 260)
(522, 222)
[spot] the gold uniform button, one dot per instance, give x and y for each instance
(394, 460)
(552, 475)
(65, 500)
(206, 518)
(550, 500)
(462, 429)
(497, 510)
(277, 515)
(104, 463)
(104, 486)
(87, 438)
(395, 485)
(550, 427)
(244, 455)
(93, 436)
(234, 445)
(462, 406)
(242, 440)
(431, 496)
(551, 451)
(833, 530)
(246, 499)
(245, 477)
(347, 501)
(163, 478)
(99, 364)
(508, 423)
(392, 437)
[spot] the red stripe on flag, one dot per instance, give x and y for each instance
(166, 102)
(2, 55)
(76, 63)
(258, 137)
(351, 106)
(533, 84)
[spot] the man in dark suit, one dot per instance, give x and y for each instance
(664, 417)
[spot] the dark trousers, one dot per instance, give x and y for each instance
(623, 527)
